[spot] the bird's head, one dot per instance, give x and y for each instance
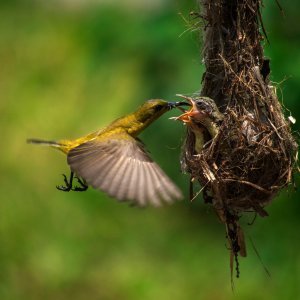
(203, 108)
(153, 109)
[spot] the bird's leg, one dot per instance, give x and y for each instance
(68, 184)
(83, 186)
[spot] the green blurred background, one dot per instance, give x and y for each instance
(69, 67)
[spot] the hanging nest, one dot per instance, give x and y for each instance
(253, 155)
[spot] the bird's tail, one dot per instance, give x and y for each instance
(45, 143)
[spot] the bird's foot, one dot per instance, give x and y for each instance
(83, 186)
(68, 184)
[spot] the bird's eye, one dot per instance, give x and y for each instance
(203, 106)
(158, 107)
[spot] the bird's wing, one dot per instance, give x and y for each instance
(123, 169)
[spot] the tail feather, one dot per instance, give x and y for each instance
(46, 143)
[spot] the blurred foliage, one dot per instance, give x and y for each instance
(69, 69)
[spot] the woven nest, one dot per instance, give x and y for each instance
(252, 157)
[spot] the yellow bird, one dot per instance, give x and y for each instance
(115, 161)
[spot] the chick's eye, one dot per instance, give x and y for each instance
(204, 107)
(201, 105)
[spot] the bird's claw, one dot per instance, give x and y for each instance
(68, 185)
(65, 179)
(63, 188)
(81, 188)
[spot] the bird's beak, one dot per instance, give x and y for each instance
(178, 104)
(186, 116)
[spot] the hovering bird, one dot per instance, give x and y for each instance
(115, 161)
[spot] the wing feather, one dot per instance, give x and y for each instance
(133, 181)
(141, 193)
(153, 187)
(168, 185)
(122, 168)
(162, 188)
(122, 189)
(109, 178)
(116, 189)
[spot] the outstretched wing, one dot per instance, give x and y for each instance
(124, 170)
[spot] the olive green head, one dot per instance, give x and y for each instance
(153, 109)
(146, 114)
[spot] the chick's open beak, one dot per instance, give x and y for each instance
(186, 116)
